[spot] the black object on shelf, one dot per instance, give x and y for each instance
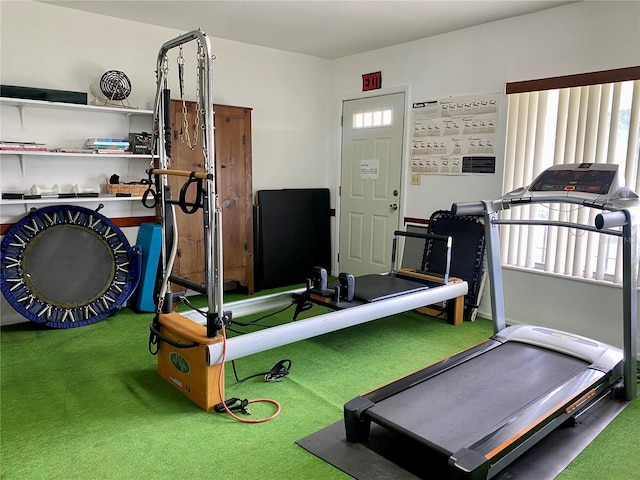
(12, 196)
(46, 94)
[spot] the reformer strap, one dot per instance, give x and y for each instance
(188, 207)
(150, 192)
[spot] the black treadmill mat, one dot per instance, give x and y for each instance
(373, 287)
(388, 456)
(462, 405)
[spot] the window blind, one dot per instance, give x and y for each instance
(597, 123)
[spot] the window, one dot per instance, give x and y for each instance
(581, 118)
(374, 118)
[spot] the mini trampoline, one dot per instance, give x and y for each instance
(67, 266)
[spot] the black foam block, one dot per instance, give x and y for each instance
(293, 235)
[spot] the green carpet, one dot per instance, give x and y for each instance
(87, 403)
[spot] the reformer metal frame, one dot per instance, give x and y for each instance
(216, 313)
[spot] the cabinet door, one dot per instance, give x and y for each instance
(233, 185)
(233, 159)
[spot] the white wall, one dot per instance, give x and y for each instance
(581, 307)
(577, 38)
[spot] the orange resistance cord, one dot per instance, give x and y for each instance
(256, 400)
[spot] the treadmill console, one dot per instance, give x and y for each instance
(590, 178)
(592, 182)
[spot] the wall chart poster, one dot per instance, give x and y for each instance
(454, 136)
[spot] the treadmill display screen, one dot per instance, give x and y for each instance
(596, 182)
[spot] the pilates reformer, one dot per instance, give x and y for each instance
(192, 347)
(349, 291)
(479, 410)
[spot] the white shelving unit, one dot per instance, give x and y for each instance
(66, 125)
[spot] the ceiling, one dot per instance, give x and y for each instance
(328, 29)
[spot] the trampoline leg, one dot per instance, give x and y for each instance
(356, 426)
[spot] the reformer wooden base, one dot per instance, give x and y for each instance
(187, 369)
(455, 313)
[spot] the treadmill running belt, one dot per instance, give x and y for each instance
(459, 407)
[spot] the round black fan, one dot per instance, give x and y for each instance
(112, 86)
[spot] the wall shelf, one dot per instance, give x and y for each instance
(38, 120)
(55, 200)
(21, 154)
(23, 103)
(42, 153)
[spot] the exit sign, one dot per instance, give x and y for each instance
(371, 81)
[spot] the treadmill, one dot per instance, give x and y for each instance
(479, 410)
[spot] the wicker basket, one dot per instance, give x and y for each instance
(135, 189)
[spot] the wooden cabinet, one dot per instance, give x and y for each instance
(233, 185)
(233, 158)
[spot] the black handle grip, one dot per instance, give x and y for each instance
(472, 208)
(319, 278)
(155, 332)
(166, 101)
(347, 286)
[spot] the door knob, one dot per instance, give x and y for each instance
(393, 207)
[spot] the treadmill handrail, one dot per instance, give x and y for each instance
(624, 213)
(552, 223)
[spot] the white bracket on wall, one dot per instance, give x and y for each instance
(21, 114)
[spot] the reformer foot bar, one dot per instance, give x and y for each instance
(191, 347)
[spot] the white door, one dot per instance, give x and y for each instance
(372, 138)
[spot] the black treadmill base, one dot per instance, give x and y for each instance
(387, 456)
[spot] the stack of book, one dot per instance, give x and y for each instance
(30, 146)
(108, 145)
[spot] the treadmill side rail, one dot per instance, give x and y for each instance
(532, 423)
(489, 456)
